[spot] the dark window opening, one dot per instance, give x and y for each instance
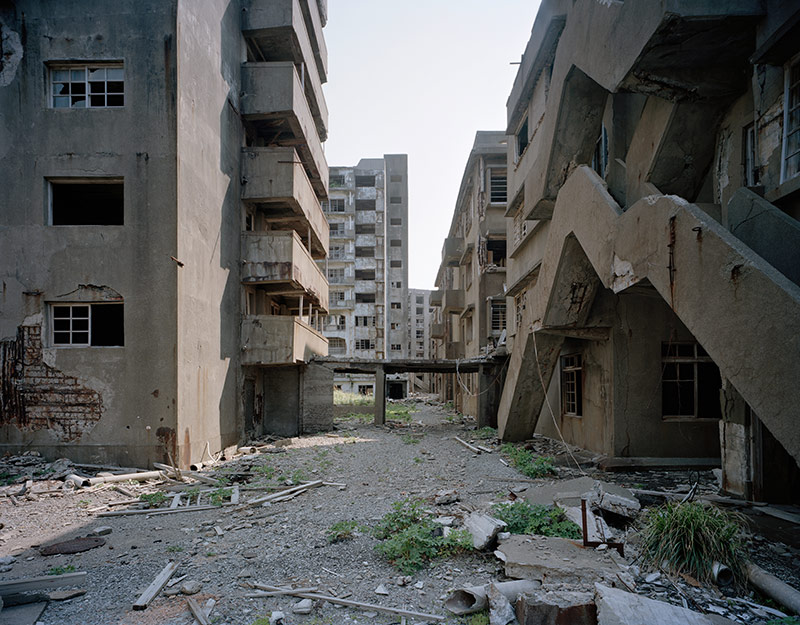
(365, 228)
(600, 155)
(395, 263)
(396, 221)
(690, 382)
(365, 181)
(95, 325)
(336, 180)
(522, 138)
(365, 252)
(498, 189)
(395, 199)
(365, 274)
(395, 243)
(365, 298)
(365, 205)
(396, 178)
(87, 203)
(496, 252)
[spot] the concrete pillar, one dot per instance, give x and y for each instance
(487, 397)
(380, 396)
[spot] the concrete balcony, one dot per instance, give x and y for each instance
(275, 106)
(343, 233)
(278, 263)
(453, 301)
(315, 13)
(279, 340)
(494, 224)
(452, 250)
(281, 187)
(436, 297)
(340, 304)
(454, 350)
(276, 30)
(437, 330)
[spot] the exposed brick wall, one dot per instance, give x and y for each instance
(36, 396)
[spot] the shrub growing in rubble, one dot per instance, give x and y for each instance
(690, 537)
(410, 538)
(525, 518)
(524, 461)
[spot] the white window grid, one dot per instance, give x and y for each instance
(498, 316)
(791, 121)
(87, 86)
(71, 325)
(571, 368)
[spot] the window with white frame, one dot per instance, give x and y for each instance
(87, 325)
(791, 121)
(498, 315)
(498, 187)
(334, 205)
(572, 385)
(335, 275)
(337, 345)
(362, 344)
(336, 180)
(87, 86)
(690, 382)
(336, 252)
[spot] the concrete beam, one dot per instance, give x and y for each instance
(380, 396)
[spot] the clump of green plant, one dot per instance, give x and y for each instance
(153, 500)
(689, 537)
(174, 549)
(266, 470)
(485, 433)
(418, 460)
(341, 531)
(298, 476)
(7, 478)
(409, 439)
(400, 412)
(218, 497)
(342, 398)
(479, 618)
(787, 620)
(528, 464)
(525, 518)
(61, 570)
(410, 539)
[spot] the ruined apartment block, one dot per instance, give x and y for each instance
(653, 241)
(367, 267)
(419, 336)
(160, 225)
(469, 319)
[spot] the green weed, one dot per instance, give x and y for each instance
(479, 618)
(408, 439)
(341, 531)
(341, 398)
(525, 462)
(298, 476)
(61, 570)
(485, 433)
(690, 537)
(174, 549)
(266, 470)
(153, 500)
(219, 496)
(525, 518)
(418, 460)
(787, 620)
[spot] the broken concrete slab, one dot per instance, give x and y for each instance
(598, 495)
(471, 599)
(556, 606)
(619, 607)
(76, 545)
(483, 529)
(597, 530)
(27, 614)
(501, 611)
(557, 560)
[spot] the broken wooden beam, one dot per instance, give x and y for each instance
(209, 605)
(472, 448)
(158, 511)
(155, 586)
(41, 583)
(198, 612)
(283, 493)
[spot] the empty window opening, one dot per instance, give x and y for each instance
(749, 156)
(498, 189)
(420, 310)
(690, 382)
(365, 252)
(336, 180)
(600, 154)
(87, 86)
(395, 199)
(396, 243)
(365, 228)
(396, 305)
(395, 263)
(82, 203)
(365, 298)
(396, 221)
(365, 181)
(522, 138)
(365, 389)
(396, 178)
(396, 347)
(365, 274)
(365, 205)
(398, 284)
(420, 299)
(572, 385)
(496, 252)
(88, 325)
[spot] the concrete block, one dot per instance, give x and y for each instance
(483, 528)
(618, 607)
(544, 607)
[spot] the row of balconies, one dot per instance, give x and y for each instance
(451, 300)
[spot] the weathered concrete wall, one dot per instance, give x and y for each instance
(41, 264)
(210, 51)
(317, 399)
(282, 400)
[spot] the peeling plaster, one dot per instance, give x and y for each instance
(10, 55)
(624, 275)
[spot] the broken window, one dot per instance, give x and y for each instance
(365, 321)
(496, 252)
(337, 345)
(690, 382)
(336, 228)
(522, 138)
(365, 228)
(396, 305)
(365, 181)
(88, 325)
(336, 180)
(335, 275)
(420, 310)
(87, 86)
(365, 344)
(498, 315)
(365, 252)
(572, 385)
(396, 347)
(337, 296)
(398, 284)
(365, 298)
(498, 187)
(420, 299)
(365, 274)
(420, 333)
(334, 205)
(365, 205)
(336, 252)
(365, 389)
(86, 203)
(791, 121)
(395, 263)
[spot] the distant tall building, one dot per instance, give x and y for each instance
(419, 336)
(367, 266)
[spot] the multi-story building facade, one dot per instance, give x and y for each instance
(162, 169)
(419, 336)
(368, 265)
(470, 301)
(653, 236)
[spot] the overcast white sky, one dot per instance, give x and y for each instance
(420, 77)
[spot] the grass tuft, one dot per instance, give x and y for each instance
(690, 537)
(526, 463)
(525, 518)
(341, 531)
(342, 398)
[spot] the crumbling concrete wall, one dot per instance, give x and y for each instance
(317, 399)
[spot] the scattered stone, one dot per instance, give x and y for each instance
(103, 530)
(500, 610)
(381, 590)
(76, 545)
(63, 595)
(561, 606)
(446, 521)
(444, 497)
(171, 592)
(6, 560)
(484, 529)
(276, 618)
(191, 587)
(303, 607)
(419, 585)
(652, 577)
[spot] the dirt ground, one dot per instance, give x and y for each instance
(226, 549)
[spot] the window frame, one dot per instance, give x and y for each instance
(695, 360)
(571, 385)
(52, 306)
(83, 180)
(86, 66)
(793, 63)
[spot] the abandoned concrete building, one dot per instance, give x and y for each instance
(162, 168)
(470, 302)
(419, 336)
(653, 162)
(367, 267)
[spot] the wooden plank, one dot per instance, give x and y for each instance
(176, 500)
(207, 609)
(198, 612)
(355, 604)
(281, 494)
(235, 494)
(780, 514)
(156, 512)
(42, 583)
(280, 593)
(155, 587)
(472, 448)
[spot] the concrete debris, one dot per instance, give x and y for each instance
(276, 618)
(444, 497)
(618, 607)
(556, 606)
(599, 495)
(304, 606)
(64, 595)
(500, 610)
(76, 545)
(473, 599)
(191, 587)
(103, 530)
(557, 561)
(483, 528)
(381, 590)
